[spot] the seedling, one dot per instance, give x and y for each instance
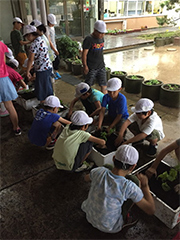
(173, 86)
(118, 73)
(135, 77)
(152, 82)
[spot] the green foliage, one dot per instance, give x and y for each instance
(118, 73)
(104, 135)
(67, 47)
(159, 35)
(152, 82)
(134, 77)
(107, 69)
(77, 62)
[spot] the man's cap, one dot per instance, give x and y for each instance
(127, 154)
(17, 19)
(52, 18)
(14, 61)
(52, 101)
(81, 88)
(25, 63)
(9, 54)
(29, 29)
(100, 26)
(114, 84)
(81, 118)
(36, 23)
(143, 105)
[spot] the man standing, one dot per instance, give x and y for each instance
(17, 41)
(92, 56)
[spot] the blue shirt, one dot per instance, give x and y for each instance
(107, 194)
(96, 96)
(42, 127)
(115, 107)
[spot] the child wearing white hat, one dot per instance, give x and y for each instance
(117, 106)
(144, 123)
(74, 144)
(47, 124)
(112, 193)
(90, 98)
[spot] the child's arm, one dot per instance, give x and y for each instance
(98, 109)
(119, 139)
(116, 120)
(62, 120)
(101, 117)
(29, 64)
(136, 138)
(84, 61)
(73, 102)
(87, 178)
(97, 140)
(52, 46)
(147, 202)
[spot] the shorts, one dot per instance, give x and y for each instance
(7, 90)
(84, 148)
(21, 57)
(43, 85)
(108, 120)
(99, 74)
(134, 128)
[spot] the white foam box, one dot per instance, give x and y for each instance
(163, 212)
(101, 159)
(27, 104)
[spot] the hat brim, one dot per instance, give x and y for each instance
(112, 89)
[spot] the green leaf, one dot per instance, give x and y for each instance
(165, 187)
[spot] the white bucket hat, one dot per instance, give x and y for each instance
(17, 19)
(127, 154)
(100, 26)
(25, 63)
(81, 88)
(9, 54)
(29, 29)
(81, 118)
(52, 101)
(52, 18)
(114, 84)
(143, 105)
(14, 61)
(36, 23)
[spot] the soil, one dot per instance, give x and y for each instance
(109, 143)
(173, 87)
(171, 198)
(27, 95)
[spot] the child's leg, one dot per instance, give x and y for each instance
(83, 152)
(153, 138)
(134, 128)
(12, 113)
(129, 203)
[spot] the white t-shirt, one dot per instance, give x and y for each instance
(51, 32)
(152, 123)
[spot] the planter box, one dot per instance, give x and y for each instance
(101, 159)
(133, 85)
(27, 100)
(170, 98)
(151, 91)
(169, 216)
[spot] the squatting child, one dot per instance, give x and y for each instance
(112, 193)
(47, 124)
(74, 144)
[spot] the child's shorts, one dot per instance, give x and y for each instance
(133, 127)
(99, 74)
(108, 120)
(84, 148)
(7, 90)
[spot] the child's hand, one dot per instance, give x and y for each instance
(150, 171)
(143, 180)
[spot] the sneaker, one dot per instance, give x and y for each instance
(17, 132)
(51, 145)
(58, 76)
(85, 166)
(152, 150)
(131, 220)
(4, 114)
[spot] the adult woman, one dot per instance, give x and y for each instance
(38, 53)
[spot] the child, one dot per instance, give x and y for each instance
(74, 144)
(112, 193)
(117, 106)
(90, 98)
(47, 124)
(146, 125)
(174, 146)
(51, 22)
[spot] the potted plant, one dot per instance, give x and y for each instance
(170, 95)
(108, 71)
(77, 67)
(121, 75)
(68, 62)
(164, 191)
(151, 89)
(133, 83)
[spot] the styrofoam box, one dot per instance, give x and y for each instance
(101, 159)
(27, 104)
(62, 113)
(163, 212)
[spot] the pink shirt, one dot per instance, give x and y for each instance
(3, 68)
(13, 75)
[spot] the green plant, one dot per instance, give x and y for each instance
(152, 82)
(135, 77)
(107, 68)
(69, 60)
(67, 47)
(171, 176)
(118, 73)
(173, 87)
(77, 62)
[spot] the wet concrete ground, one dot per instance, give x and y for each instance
(40, 202)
